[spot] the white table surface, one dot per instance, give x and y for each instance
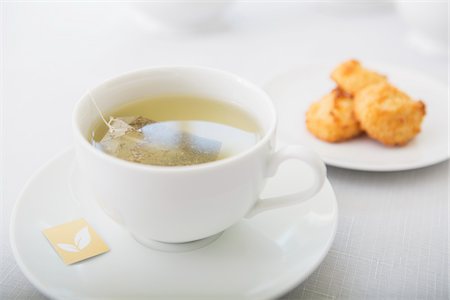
(392, 239)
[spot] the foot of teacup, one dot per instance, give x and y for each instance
(176, 247)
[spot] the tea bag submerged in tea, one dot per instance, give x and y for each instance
(142, 140)
(126, 125)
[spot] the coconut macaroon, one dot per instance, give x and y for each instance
(352, 77)
(387, 114)
(332, 119)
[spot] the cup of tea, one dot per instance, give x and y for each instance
(180, 154)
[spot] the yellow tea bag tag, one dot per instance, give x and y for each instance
(75, 241)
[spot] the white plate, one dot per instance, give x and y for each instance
(295, 90)
(259, 258)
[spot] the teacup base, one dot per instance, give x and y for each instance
(176, 247)
(82, 193)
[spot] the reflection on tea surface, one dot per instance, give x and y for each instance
(200, 131)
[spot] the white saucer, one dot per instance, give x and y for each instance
(295, 90)
(258, 258)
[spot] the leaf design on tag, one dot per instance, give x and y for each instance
(68, 247)
(82, 238)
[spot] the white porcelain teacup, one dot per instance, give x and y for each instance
(188, 203)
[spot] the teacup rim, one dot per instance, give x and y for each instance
(268, 134)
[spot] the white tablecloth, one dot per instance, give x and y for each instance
(392, 239)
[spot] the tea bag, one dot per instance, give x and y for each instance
(123, 133)
(142, 140)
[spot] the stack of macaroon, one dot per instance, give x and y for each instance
(364, 101)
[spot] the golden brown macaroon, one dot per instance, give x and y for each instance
(388, 115)
(332, 119)
(352, 77)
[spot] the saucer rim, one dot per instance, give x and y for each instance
(382, 169)
(284, 285)
(12, 224)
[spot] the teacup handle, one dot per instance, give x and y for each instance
(292, 152)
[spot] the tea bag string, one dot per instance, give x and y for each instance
(99, 111)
